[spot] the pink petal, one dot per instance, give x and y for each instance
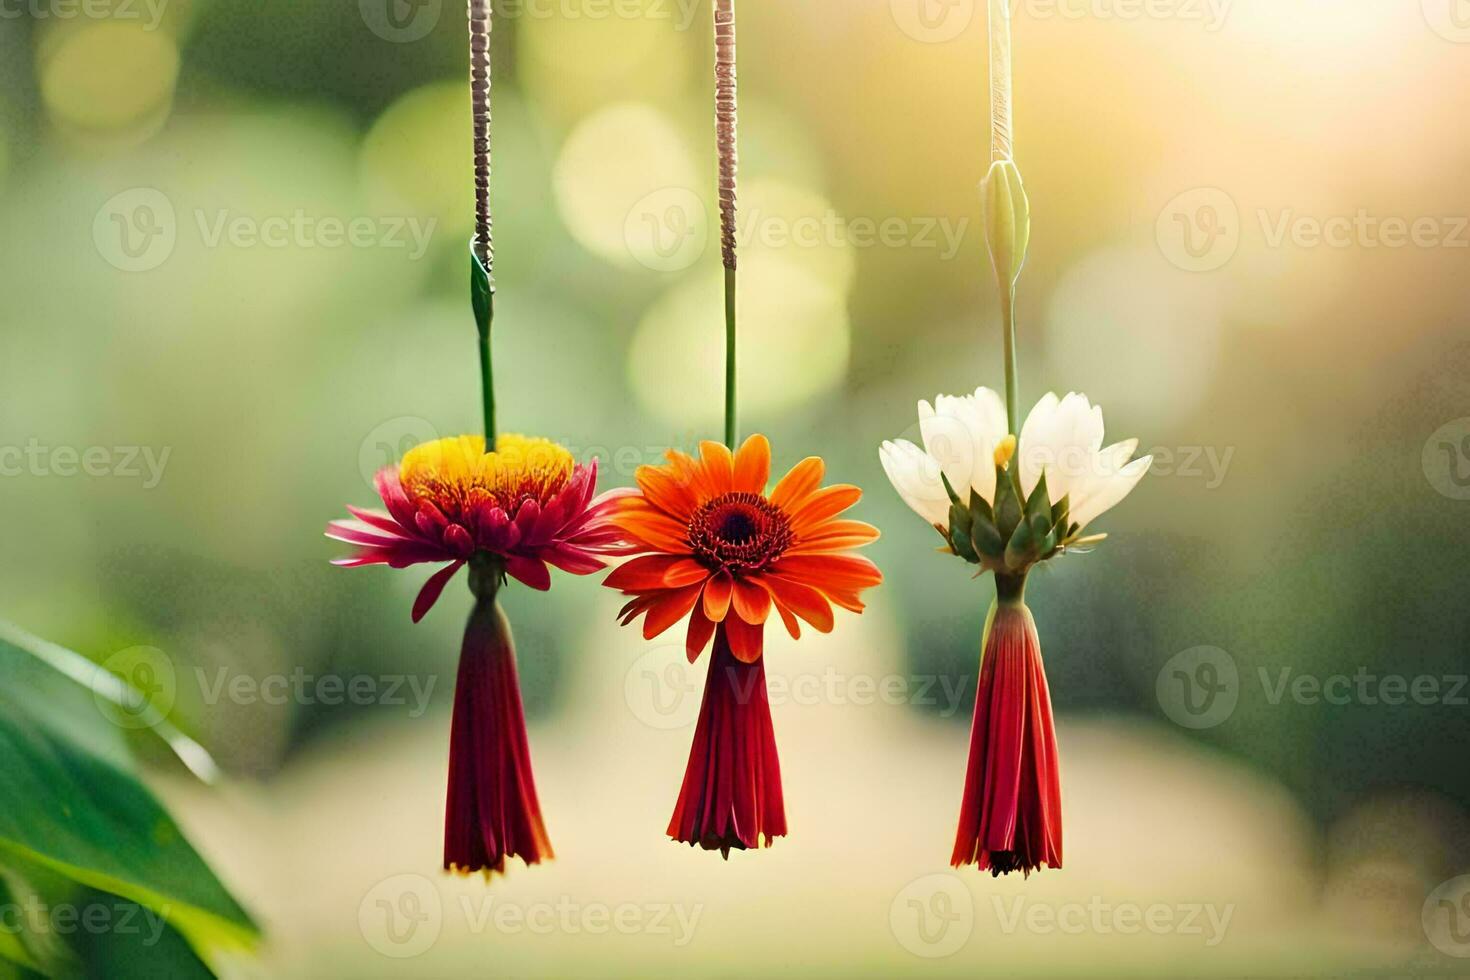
(573, 560)
(382, 522)
(352, 533)
(531, 571)
(391, 490)
(458, 539)
(432, 589)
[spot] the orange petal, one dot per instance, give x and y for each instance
(844, 572)
(664, 489)
(642, 574)
(753, 465)
(700, 630)
(670, 607)
(655, 530)
(847, 600)
(824, 505)
(635, 608)
(803, 600)
(719, 467)
(686, 571)
(717, 596)
(746, 641)
(752, 603)
(835, 536)
(789, 619)
(803, 479)
(690, 472)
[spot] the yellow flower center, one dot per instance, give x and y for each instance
(456, 474)
(1005, 451)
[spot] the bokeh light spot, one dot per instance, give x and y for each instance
(611, 166)
(109, 78)
(795, 340)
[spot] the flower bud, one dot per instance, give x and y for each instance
(1007, 219)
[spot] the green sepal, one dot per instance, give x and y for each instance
(482, 293)
(1007, 503)
(960, 525)
(983, 533)
(1021, 550)
(1038, 507)
(1060, 512)
(954, 498)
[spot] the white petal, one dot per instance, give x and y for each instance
(1035, 433)
(1108, 491)
(956, 432)
(1061, 438)
(991, 428)
(915, 475)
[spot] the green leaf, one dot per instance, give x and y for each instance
(48, 667)
(1007, 219)
(73, 807)
(482, 293)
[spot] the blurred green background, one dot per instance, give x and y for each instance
(232, 285)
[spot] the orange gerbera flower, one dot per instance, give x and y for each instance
(714, 547)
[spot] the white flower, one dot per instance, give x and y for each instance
(1061, 437)
(960, 436)
(1064, 438)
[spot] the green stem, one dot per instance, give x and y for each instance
(1010, 589)
(1008, 326)
(487, 379)
(732, 418)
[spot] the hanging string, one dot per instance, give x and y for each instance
(480, 95)
(1002, 148)
(482, 277)
(726, 110)
(1001, 122)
